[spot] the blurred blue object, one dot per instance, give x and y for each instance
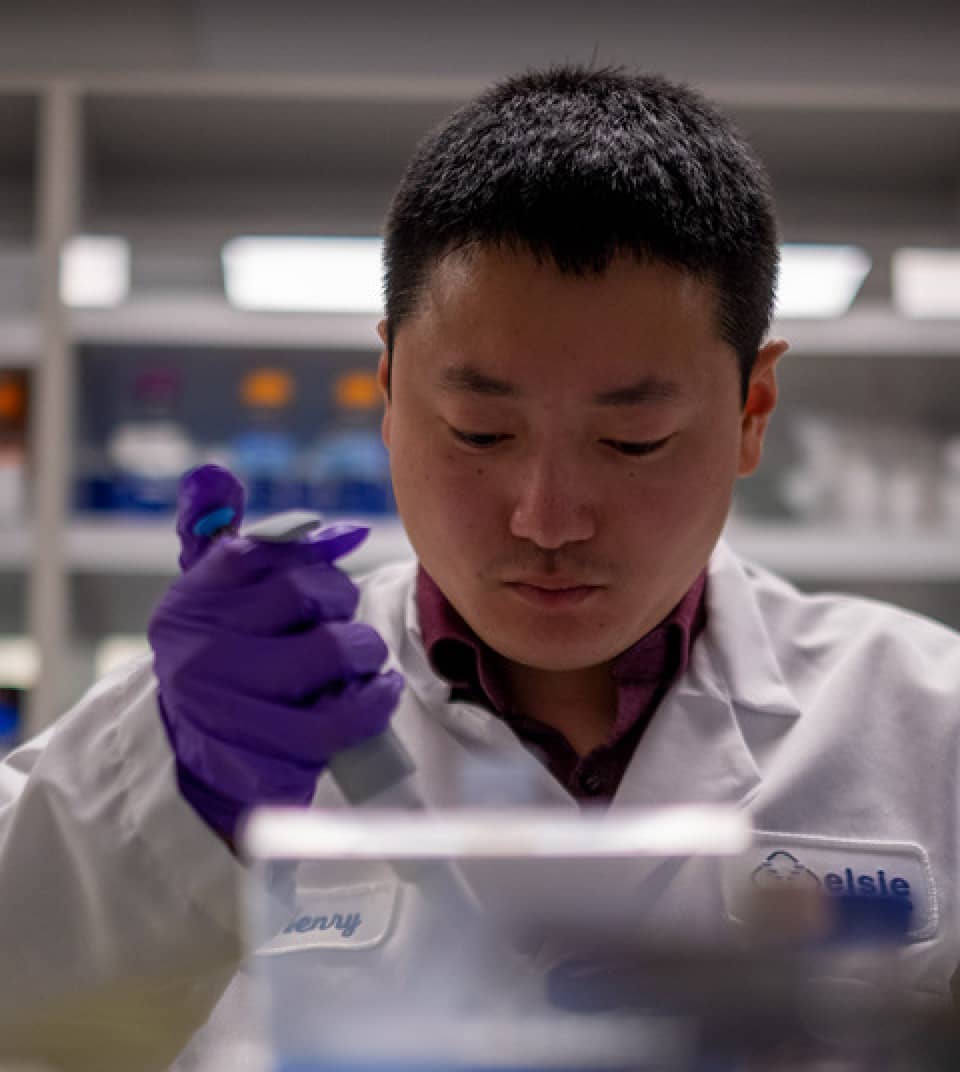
(10, 721)
(348, 472)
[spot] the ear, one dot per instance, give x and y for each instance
(383, 379)
(760, 404)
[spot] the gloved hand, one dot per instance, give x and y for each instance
(262, 674)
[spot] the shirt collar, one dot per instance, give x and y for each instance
(666, 648)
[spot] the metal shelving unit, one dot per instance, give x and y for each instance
(208, 320)
(19, 341)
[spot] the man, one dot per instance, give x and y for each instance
(580, 269)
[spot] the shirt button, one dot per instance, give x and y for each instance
(591, 782)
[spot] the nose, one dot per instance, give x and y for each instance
(552, 502)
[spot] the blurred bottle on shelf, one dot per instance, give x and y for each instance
(347, 471)
(93, 479)
(859, 483)
(950, 482)
(867, 474)
(264, 453)
(908, 458)
(11, 709)
(149, 450)
(809, 485)
(13, 446)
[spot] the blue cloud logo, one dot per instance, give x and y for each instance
(782, 869)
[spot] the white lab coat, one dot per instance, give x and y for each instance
(835, 721)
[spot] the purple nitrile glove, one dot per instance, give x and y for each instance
(262, 674)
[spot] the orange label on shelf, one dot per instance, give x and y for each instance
(13, 398)
(267, 387)
(357, 390)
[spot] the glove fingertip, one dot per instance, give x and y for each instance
(210, 502)
(390, 687)
(207, 486)
(339, 539)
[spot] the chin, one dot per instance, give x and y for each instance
(555, 658)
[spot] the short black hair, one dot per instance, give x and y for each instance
(579, 165)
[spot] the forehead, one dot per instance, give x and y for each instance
(508, 313)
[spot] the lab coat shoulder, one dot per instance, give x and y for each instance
(871, 749)
(107, 874)
(823, 629)
(882, 665)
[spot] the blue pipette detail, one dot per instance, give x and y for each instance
(212, 523)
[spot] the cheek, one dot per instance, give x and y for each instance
(472, 497)
(647, 521)
(437, 488)
(691, 493)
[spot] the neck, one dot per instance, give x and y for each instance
(580, 704)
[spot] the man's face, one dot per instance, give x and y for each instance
(564, 448)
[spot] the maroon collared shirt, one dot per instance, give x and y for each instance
(643, 674)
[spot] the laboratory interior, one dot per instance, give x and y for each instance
(192, 196)
(143, 146)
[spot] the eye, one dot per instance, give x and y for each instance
(637, 450)
(477, 440)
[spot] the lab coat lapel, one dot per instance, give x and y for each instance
(479, 759)
(692, 751)
(697, 746)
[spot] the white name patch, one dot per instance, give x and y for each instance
(840, 867)
(347, 917)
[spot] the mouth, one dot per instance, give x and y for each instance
(553, 593)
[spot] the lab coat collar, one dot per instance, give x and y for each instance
(744, 664)
(431, 689)
(480, 744)
(698, 747)
(466, 720)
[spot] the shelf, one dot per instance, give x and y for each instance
(210, 320)
(871, 330)
(849, 554)
(216, 164)
(825, 553)
(150, 547)
(19, 342)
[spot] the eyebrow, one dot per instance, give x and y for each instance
(649, 389)
(468, 379)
